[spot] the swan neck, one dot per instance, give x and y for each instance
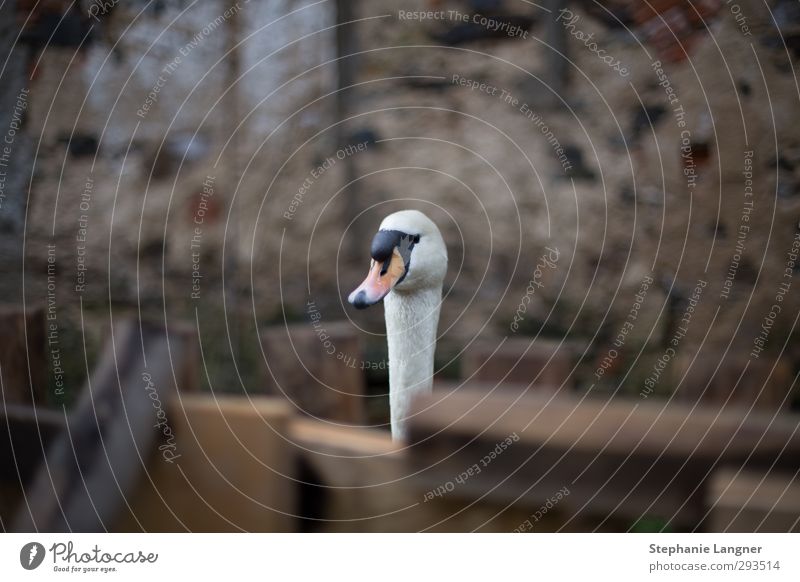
(411, 323)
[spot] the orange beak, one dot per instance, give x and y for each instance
(382, 277)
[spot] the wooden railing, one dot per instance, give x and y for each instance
(142, 450)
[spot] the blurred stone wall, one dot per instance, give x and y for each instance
(15, 144)
(638, 205)
(226, 113)
(146, 126)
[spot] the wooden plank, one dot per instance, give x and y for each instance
(717, 378)
(188, 372)
(350, 478)
(329, 439)
(443, 387)
(358, 480)
(750, 501)
(90, 470)
(319, 371)
(519, 361)
(619, 458)
(23, 383)
(654, 426)
(235, 470)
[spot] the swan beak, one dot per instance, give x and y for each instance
(382, 277)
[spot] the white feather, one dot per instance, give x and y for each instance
(411, 311)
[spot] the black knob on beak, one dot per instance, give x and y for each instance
(360, 300)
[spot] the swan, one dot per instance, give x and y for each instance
(407, 269)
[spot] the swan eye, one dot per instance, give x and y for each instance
(406, 245)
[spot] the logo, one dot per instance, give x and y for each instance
(31, 555)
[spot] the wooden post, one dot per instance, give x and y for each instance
(23, 361)
(25, 433)
(320, 375)
(92, 467)
(365, 482)
(233, 471)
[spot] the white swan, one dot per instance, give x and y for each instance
(409, 261)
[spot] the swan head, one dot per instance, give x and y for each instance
(408, 255)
